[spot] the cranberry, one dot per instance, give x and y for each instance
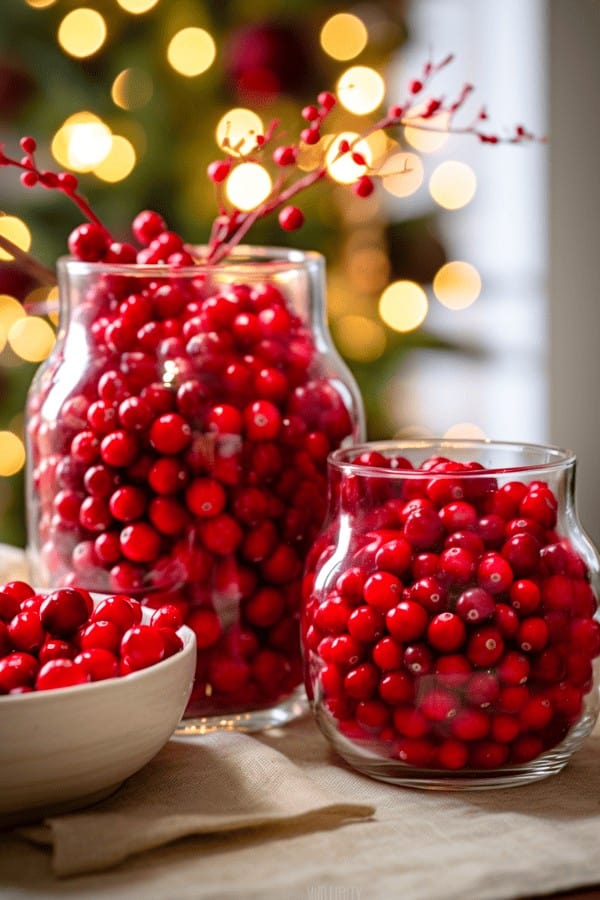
(485, 646)
(140, 542)
(446, 632)
(60, 673)
(63, 611)
(17, 670)
(407, 621)
(170, 433)
(475, 605)
(142, 646)
(26, 631)
(382, 590)
(97, 663)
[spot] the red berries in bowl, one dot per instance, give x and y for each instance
(450, 616)
(61, 638)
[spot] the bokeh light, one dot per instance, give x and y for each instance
(402, 174)
(237, 130)
(191, 51)
(42, 301)
(248, 185)
(452, 184)
(343, 36)
(343, 169)
(360, 90)
(17, 232)
(359, 338)
(40, 4)
(119, 163)
(10, 312)
(132, 88)
(31, 338)
(457, 285)
(82, 32)
(403, 305)
(12, 454)
(465, 431)
(137, 7)
(82, 142)
(429, 141)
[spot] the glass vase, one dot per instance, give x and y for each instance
(450, 615)
(177, 445)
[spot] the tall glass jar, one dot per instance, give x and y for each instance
(450, 621)
(177, 446)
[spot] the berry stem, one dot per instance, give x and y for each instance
(28, 263)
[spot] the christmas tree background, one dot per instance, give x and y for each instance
(265, 56)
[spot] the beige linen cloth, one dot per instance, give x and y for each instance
(281, 817)
(220, 782)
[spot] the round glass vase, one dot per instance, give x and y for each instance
(177, 445)
(450, 621)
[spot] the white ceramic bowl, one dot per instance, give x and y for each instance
(67, 748)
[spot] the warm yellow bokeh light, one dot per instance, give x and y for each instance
(82, 142)
(428, 141)
(360, 90)
(43, 301)
(457, 285)
(359, 338)
(31, 338)
(466, 431)
(119, 163)
(191, 51)
(82, 32)
(343, 169)
(12, 454)
(403, 305)
(343, 36)
(17, 232)
(402, 174)
(137, 7)
(248, 185)
(40, 4)
(132, 89)
(237, 130)
(452, 184)
(10, 312)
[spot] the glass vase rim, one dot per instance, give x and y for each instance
(561, 458)
(273, 259)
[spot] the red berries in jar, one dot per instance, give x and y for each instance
(185, 462)
(467, 593)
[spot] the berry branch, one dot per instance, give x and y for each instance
(414, 112)
(420, 110)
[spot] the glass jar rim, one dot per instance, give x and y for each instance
(556, 458)
(268, 259)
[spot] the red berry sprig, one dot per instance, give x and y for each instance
(92, 241)
(416, 111)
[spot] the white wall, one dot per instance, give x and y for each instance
(574, 262)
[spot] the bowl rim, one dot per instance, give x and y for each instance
(341, 459)
(189, 646)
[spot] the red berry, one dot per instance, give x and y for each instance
(63, 611)
(142, 646)
(446, 632)
(60, 673)
(291, 218)
(89, 242)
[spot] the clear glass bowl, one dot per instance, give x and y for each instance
(450, 616)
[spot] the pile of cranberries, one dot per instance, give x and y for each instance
(447, 625)
(57, 639)
(178, 440)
